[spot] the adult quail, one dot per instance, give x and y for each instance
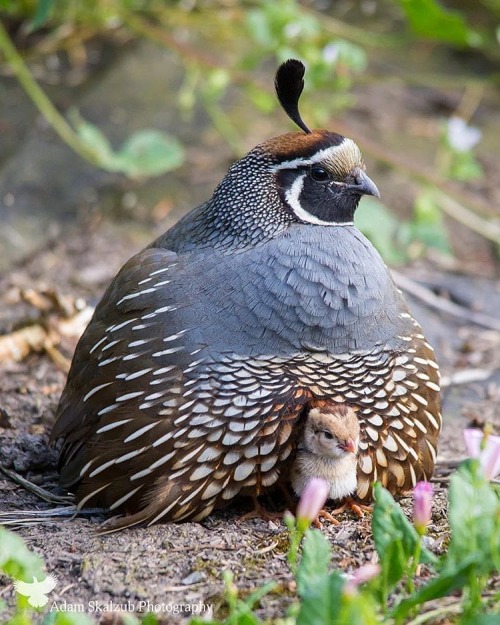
(189, 384)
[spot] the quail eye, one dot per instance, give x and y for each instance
(319, 174)
(328, 435)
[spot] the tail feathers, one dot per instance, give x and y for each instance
(164, 501)
(117, 523)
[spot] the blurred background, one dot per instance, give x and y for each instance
(129, 112)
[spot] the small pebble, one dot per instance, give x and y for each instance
(193, 578)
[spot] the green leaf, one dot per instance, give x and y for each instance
(426, 209)
(240, 611)
(395, 561)
(149, 153)
(258, 594)
(186, 94)
(67, 618)
(428, 19)
(474, 550)
(395, 537)
(145, 153)
(474, 515)
(215, 84)
(262, 99)
(439, 587)
(464, 166)
(16, 560)
(42, 12)
(389, 517)
(320, 592)
(359, 607)
(315, 560)
(434, 237)
(381, 227)
(347, 54)
(149, 619)
(91, 137)
(428, 224)
(258, 28)
(321, 602)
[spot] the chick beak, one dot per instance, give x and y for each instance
(349, 445)
(364, 185)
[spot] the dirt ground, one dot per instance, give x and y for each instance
(183, 564)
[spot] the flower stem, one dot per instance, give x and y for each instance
(41, 101)
(296, 535)
(412, 570)
(224, 125)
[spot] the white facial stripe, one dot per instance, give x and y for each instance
(292, 197)
(322, 156)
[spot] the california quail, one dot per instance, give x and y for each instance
(188, 386)
(328, 449)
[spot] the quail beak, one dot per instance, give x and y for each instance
(364, 185)
(348, 445)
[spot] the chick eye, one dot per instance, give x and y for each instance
(319, 174)
(328, 435)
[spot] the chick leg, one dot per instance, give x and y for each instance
(358, 508)
(325, 515)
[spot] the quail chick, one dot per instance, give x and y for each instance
(329, 450)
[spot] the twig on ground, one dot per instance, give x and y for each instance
(40, 492)
(28, 517)
(439, 303)
(465, 376)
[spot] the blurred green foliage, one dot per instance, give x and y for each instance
(283, 30)
(428, 19)
(254, 34)
(144, 153)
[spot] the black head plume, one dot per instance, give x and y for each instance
(289, 83)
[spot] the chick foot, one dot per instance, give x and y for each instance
(359, 509)
(324, 514)
(259, 512)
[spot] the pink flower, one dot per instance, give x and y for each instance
(360, 576)
(422, 506)
(312, 500)
(486, 447)
(473, 439)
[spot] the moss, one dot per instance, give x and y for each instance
(209, 567)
